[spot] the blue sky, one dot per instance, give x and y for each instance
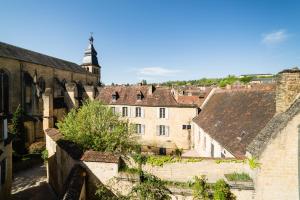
(160, 40)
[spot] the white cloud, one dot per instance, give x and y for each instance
(157, 71)
(275, 37)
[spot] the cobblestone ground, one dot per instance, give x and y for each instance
(32, 184)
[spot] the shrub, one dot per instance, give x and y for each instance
(18, 130)
(95, 126)
(222, 191)
(150, 187)
(253, 163)
(201, 188)
(238, 177)
(37, 147)
(45, 155)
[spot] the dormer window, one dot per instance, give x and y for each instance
(114, 96)
(139, 96)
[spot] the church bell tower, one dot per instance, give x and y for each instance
(90, 60)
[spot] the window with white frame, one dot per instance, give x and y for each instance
(138, 112)
(204, 143)
(162, 130)
(140, 128)
(113, 109)
(162, 112)
(124, 111)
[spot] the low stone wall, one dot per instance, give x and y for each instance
(185, 171)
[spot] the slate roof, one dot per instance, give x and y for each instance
(234, 117)
(13, 52)
(127, 95)
(272, 129)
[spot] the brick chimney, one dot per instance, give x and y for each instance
(287, 88)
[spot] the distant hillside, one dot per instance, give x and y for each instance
(221, 82)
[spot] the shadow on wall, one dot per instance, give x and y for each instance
(69, 177)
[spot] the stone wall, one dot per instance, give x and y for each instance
(278, 176)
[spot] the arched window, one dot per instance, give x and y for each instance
(28, 92)
(4, 92)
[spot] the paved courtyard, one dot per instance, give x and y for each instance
(32, 184)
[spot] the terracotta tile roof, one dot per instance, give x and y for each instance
(196, 98)
(234, 117)
(13, 52)
(96, 156)
(53, 133)
(127, 95)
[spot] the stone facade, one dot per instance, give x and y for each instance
(176, 137)
(39, 84)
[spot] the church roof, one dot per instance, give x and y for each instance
(90, 55)
(235, 117)
(18, 53)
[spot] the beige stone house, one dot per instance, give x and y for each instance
(164, 123)
(44, 86)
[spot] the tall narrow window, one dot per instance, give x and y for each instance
(138, 112)
(124, 111)
(113, 109)
(4, 92)
(162, 130)
(204, 143)
(162, 113)
(212, 150)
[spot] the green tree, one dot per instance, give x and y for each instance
(201, 188)
(222, 191)
(18, 130)
(95, 126)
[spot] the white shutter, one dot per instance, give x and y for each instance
(132, 112)
(142, 112)
(157, 113)
(167, 113)
(167, 131)
(157, 130)
(143, 129)
(5, 128)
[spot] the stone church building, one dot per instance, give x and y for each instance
(44, 86)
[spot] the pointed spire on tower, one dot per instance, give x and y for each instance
(90, 60)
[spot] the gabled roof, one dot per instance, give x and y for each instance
(273, 128)
(13, 52)
(127, 95)
(234, 117)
